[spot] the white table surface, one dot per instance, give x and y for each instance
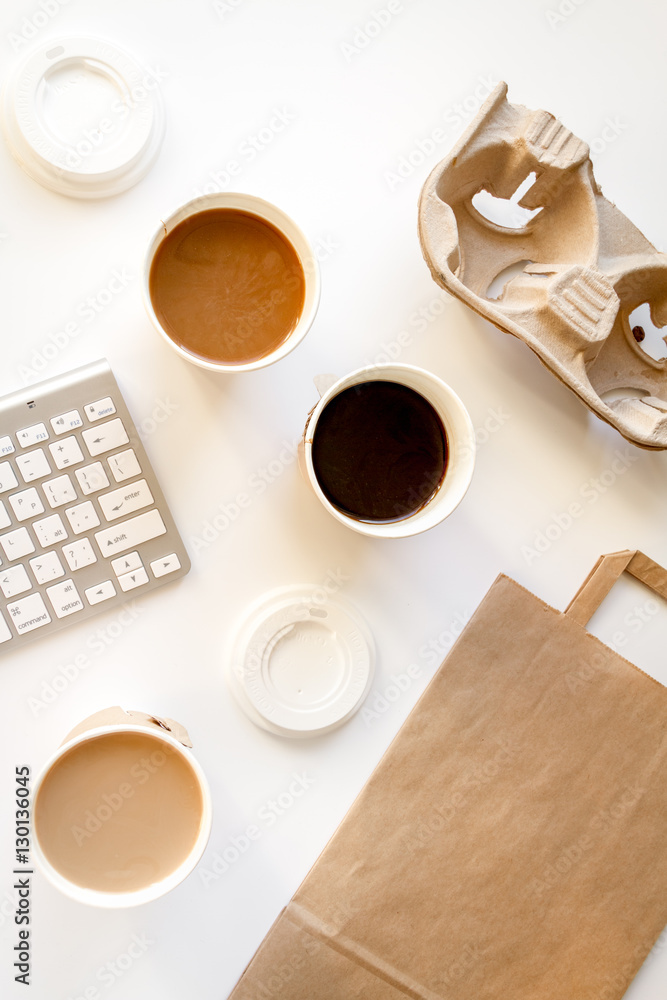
(349, 115)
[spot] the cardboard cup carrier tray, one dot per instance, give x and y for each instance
(516, 199)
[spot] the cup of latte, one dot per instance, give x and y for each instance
(121, 810)
(231, 282)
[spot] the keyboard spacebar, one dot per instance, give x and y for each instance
(128, 534)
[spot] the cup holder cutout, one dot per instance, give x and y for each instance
(627, 392)
(651, 338)
(497, 286)
(506, 212)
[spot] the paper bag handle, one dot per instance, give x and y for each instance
(604, 575)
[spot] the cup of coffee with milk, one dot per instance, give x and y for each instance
(121, 810)
(231, 282)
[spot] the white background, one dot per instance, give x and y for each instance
(353, 116)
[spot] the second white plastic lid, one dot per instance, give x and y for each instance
(302, 662)
(82, 117)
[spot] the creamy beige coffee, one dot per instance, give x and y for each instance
(227, 286)
(118, 812)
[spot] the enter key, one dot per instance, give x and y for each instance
(126, 500)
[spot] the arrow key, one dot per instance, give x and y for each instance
(126, 563)
(102, 592)
(168, 564)
(137, 578)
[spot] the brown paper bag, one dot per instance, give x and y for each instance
(512, 841)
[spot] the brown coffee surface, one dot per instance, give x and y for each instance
(227, 286)
(379, 451)
(118, 812)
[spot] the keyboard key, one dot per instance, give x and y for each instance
(5, 632)
(129, 534)
(26, 504)
(7, 478)
(5, 519)
(6, 445)
(66, 452)
(17, 544)
(79, 554)
(49, 531)
(64, 598)
(105, 437)
(102, 592)
(47, 567)
(168, 564)
(123, 565)
(124, 465)
(125, 501)
(92, 478)
(83, 517)
(132, 580)
(32, 435)
(59, 491)
(101, 408)
(66, 422)
(34, 465)
(29, 613)
(15, 581)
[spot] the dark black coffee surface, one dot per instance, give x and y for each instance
(379, 451)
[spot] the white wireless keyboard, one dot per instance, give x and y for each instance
(83, 522)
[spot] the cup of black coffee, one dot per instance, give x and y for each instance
(389, 450)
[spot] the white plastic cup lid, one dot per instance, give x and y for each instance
(82, 117)
(302, 662)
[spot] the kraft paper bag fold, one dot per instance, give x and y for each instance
(512, 842)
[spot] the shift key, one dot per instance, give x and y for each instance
(129, 534)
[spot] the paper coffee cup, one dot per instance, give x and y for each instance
(460, 442)
(121, 811)
(260, 308)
